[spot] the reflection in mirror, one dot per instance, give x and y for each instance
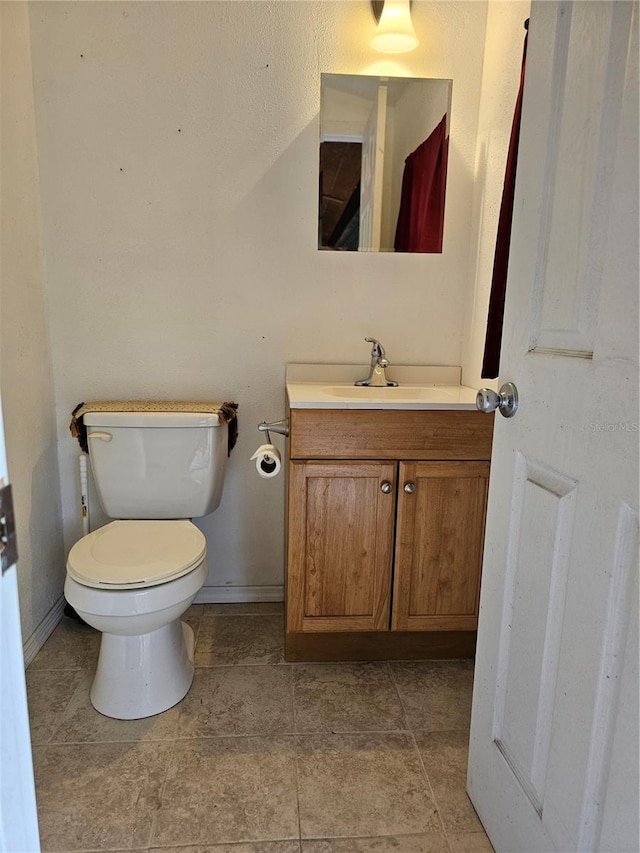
(383, 163)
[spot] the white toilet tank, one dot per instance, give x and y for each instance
(157, 464)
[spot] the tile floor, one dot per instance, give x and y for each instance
(260, 757)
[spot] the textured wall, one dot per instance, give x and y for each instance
(178, 160)
(25, 359)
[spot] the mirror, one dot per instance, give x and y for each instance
(383, 163)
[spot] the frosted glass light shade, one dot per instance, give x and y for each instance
(395, 33)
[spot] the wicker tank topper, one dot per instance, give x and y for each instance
(227, 412)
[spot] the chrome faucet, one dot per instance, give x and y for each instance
(377, 375)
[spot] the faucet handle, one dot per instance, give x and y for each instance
(377, 350)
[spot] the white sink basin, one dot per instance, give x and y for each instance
(332, 387)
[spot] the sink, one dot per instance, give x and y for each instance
(400, 393)
(326, 386)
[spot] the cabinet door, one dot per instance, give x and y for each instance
(340, 545)
(439, 541)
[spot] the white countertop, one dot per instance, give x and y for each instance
(331, 386)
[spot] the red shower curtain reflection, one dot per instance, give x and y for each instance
(421, 217)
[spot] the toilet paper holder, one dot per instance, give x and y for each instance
(281, 427)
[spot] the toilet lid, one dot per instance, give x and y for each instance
(131, 554)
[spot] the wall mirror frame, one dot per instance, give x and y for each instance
(383, 163)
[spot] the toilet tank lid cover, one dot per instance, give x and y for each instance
(226, 413)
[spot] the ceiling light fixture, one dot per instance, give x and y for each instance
(395, 33)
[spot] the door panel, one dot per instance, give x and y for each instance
(535, 583)
(554, 736)
(439, 545)
(340, 545)
(18, 815)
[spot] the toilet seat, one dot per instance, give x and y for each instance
(134, 554)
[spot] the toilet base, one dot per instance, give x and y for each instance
(142, 675)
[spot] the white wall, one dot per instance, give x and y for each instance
(178, 158)
(344, 112)
(500, 81)
(25, 359)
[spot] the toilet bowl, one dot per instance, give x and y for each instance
(132, 580)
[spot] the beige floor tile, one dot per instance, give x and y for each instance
(238, 700)
(37, 755)
(70, 646)
(81, 723)
(99, 796)
(470, 842)
(48, 694)
(247, 608)
(433, 842)
(436, 694)
(100, 782)
(221, 790)
(257, 847)
(457, 813)
(362, 784)
(242, 640)
(193, 615)
(346, 697)
(445, 759)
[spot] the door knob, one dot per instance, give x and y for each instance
(386, 487)
(506, 400)
(409, 488)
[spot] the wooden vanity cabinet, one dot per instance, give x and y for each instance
(386, 513)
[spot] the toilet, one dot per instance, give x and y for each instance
(134, 578)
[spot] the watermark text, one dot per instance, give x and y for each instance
(614, 426)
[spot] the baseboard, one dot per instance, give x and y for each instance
(37, 639)
(236, 594)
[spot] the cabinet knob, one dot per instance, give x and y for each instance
(409, 488)
(386, 487)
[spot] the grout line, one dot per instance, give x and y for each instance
(415, 746)
(223, 845)
(62, 715)
(196, 634)
(433, 796)
(31, 670)
(392, 676)
(400, 835)
(295, 748)
(342, 732)
(222, 665)
(230, 736)
(154, 817)
(279, 615)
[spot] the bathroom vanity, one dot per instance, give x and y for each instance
(387, 491)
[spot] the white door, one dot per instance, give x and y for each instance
(554, 735)
(18, 817)
(371, 174)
